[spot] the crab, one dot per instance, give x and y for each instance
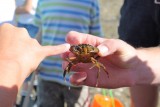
(85, 53)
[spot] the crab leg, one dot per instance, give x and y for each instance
(71, 61)
(98, 74)
(98, 65)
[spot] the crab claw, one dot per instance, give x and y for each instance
(64, 74)
(67, 69)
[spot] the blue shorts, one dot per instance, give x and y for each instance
(32, 30)
(140, 23)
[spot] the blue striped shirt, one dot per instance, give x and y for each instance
(56, 18)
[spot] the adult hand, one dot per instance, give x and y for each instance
(118, 57)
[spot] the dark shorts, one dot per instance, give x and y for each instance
(140, 23)
(52, 94)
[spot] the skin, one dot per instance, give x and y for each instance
(125, 64)
(25, 8)
(139, 98)
(19, 56)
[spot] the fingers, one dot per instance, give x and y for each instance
(78, 78)
(79, 38)
(54, 50)
(85, 78)
(6, 26)
(13, 31)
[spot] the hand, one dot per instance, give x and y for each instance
(118, 57)
(18, 48)
(19, 56)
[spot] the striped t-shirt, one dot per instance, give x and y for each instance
(56, 18)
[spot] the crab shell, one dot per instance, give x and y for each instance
(84, 52)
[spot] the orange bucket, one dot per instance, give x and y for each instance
(105, 101)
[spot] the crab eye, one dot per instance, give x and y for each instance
(77, 48)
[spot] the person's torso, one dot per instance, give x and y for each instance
(58, 17)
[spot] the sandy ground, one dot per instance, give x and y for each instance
(109, 10)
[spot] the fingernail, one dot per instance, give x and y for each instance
(103, 50)
(67, 45)
(82, 78)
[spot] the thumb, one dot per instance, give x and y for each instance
(110, 46)
(107, 47)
